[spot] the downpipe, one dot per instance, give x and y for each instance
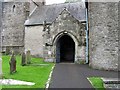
(87, 36)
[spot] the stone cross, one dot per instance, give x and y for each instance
(12, 63)
(23, 61)
(28, 57)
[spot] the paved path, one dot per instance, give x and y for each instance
(75, 76)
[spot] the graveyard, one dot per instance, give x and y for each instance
(37, 71)
(78, 37)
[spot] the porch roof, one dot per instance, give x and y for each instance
(49, 13)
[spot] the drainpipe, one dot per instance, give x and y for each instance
(87, 37)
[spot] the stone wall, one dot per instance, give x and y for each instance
(0, 24)
(119, 34)
(103, 35)
(0, 39)
(65, 24)
(14, 16)
(34, 40)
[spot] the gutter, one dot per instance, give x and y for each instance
(87, 39)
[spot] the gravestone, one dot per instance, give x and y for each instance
(12, 63)
(23, 61)
(7, 52)
(28, 57)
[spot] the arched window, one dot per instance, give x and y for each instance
(13, 8)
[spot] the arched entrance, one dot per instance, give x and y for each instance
(65, 49)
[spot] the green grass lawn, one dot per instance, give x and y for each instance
(0, 87)
(37, 74)
(97, 83)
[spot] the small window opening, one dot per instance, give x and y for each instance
(13, 8)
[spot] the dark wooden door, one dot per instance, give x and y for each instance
(65, 49)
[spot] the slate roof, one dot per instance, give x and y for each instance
(49, 13)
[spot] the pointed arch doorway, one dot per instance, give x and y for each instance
(65, 49)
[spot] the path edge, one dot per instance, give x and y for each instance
(49, 79)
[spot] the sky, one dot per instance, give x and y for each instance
(54, 1)
(62, 1)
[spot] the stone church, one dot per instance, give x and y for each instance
(77, 32)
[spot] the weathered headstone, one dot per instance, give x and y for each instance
(28, 57)
(7, 52)
(12, 63)
(23, 61)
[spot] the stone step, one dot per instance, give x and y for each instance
(113, 83)
(111, 80)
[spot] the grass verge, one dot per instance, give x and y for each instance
(38, 74)
(97, 83)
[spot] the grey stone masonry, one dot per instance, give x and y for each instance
(103, 35)
(0, 38)
(64, 24)
(0, 24)
(119, 34)
(111, 83)
(14, 16)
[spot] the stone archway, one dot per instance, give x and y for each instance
(52, 49)
(65, 49)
